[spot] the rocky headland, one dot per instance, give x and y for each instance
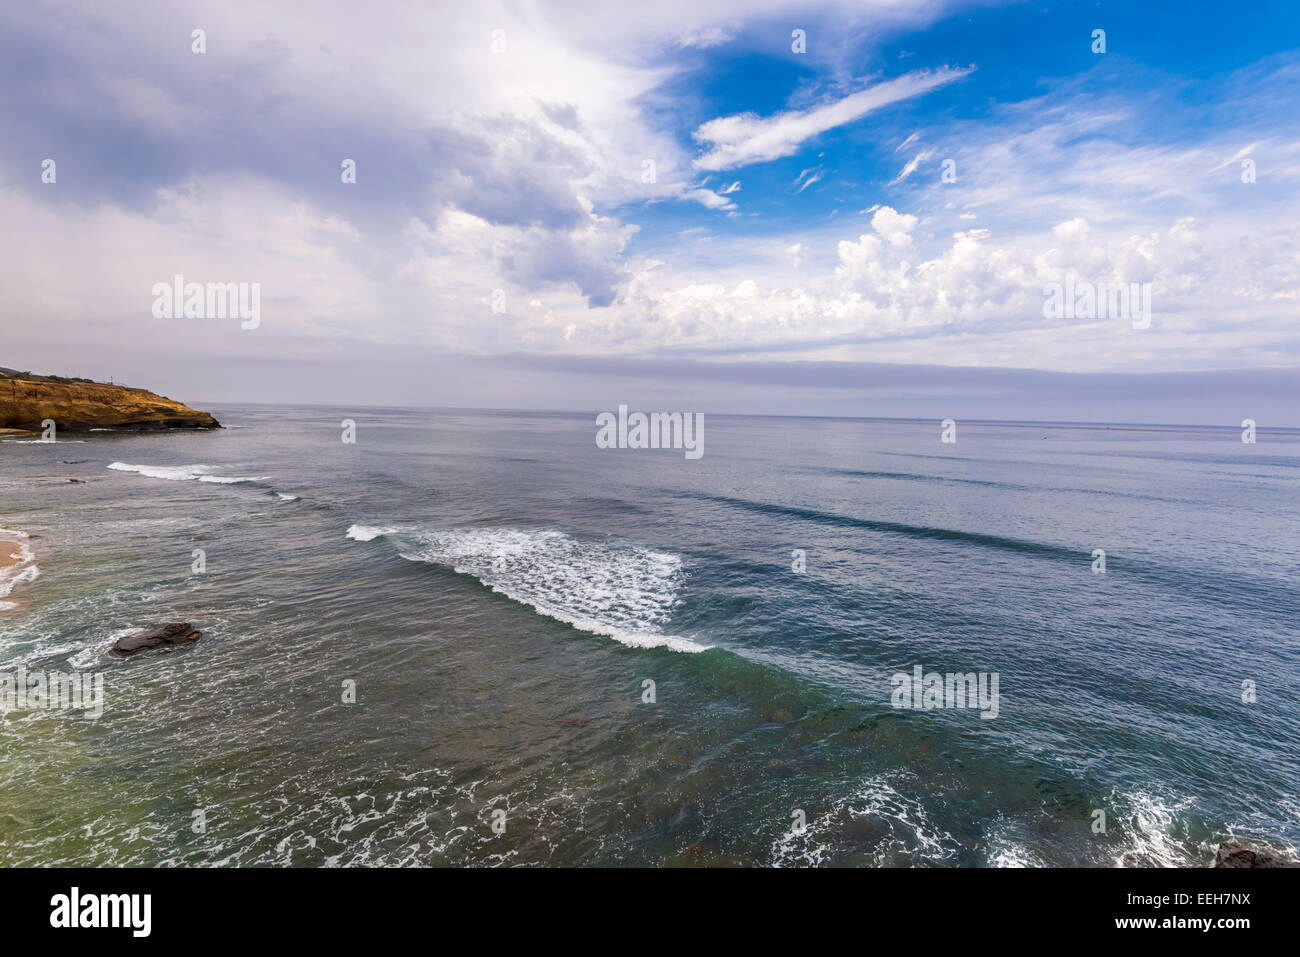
(79, 405)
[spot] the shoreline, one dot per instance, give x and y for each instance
(17, 565)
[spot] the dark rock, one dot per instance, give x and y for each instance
(173, 633)
(1243, 854)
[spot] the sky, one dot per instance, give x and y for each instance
(839, 208)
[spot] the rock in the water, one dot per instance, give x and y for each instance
(1242, 854)
(173, 633)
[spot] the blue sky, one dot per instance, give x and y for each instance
(796, 213)
(1021, 51)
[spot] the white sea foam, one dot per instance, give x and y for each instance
(1004, 850)
(181, 473)
(24, 570)
(88, 656)
(908, 833)
(1153, 828)
(285, 497)
(623, 591)
(367, 533)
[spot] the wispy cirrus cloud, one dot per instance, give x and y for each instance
(1239, 155)
(745, 138)
(911, 166)
(808, 177)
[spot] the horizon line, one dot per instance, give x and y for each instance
(1087, 425)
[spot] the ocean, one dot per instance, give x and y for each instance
(476, 638)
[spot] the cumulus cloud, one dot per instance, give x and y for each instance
(977, 298)
(894, 226)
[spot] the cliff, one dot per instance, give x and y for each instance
(77, 405)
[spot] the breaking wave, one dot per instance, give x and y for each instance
(618, 589)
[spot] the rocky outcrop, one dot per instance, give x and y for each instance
(1243, 854)
(78, 405)
(173, 633)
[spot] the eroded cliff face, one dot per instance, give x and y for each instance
(79, 406)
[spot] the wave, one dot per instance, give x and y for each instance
(918, 477)
(897, 528)
(182, 473)
(1154, 831)
(883, 822)
(617, 589)
(367, 533)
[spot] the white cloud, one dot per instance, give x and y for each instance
(808, 177)
(911, 166)
(907, 142)
(704, 38)
(1236, 157)
(708, 199)
(1073, 229)
(536, 148)
(745, 138)
(975, 298)
(894, 226)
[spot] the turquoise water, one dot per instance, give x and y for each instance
(500, 591)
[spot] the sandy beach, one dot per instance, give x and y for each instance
(10, 555)
(15, 566)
